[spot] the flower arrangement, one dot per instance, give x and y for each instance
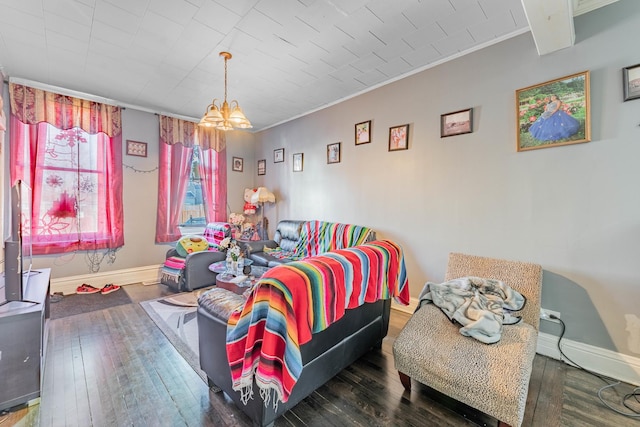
(232, 248)
(236, 219)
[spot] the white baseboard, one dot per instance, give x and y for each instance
(602, 361)
(68, 285)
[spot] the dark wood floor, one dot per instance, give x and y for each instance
(113, 367)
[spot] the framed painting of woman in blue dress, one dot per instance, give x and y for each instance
(554, 113)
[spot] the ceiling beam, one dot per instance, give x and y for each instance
(551, 24)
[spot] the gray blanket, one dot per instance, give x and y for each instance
(480, 305)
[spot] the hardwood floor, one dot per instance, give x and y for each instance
(113, 367)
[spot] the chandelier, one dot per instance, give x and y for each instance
(224, 117)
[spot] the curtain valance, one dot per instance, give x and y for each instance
(178, 131)
(32, 106)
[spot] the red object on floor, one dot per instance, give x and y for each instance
(108, 288)
(86, 289)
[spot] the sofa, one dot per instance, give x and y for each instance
(184, 271)
(351, 312)
(297, 239)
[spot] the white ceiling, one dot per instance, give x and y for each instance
(290, 57)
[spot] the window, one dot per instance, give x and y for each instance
(69, 151)
(71, 183)
(193, 213)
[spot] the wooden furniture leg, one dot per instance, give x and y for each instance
(405, 380)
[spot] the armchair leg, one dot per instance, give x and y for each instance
(405, 380)
(503, 424)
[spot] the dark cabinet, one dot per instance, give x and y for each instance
(23, 340)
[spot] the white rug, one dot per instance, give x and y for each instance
(176, 317)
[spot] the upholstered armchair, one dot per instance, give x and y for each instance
(493, 378)
(187, 272)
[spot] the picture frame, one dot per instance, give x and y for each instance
(399, 138)
(298, 162)
(456, 123)
(363, 132)
(554, 113)
(278, 155)
(136, 148)
(262, 167)
(333, 153)
(631, 82)
(237, 164)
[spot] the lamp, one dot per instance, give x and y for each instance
(262, 196)
(223, 117)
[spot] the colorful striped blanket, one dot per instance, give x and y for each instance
(295, 300)
(318, 237)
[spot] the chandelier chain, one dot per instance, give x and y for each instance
(225, 78)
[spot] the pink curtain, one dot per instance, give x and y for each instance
(177, 138)
(69, 151)
(213, 170)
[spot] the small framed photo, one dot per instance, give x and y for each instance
(262, 167)
(297, 162)
(363, 132)
(136, 148)
(333, 153)
(278, 155)
(554, 113)
(399, 138)
(631, 81)
(456, 123)
(237, 164)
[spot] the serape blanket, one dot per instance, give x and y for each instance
(318, 237)
(171, 270)
(292, 301)
(280, 253)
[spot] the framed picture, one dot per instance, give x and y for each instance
(631, 81)
(363, 132)
(297, 162)
(333, 153)
(262, 167)
(237, 164)
(399, 138)
(278, 155)
(554, 113)
(136, 148)
(456, 123)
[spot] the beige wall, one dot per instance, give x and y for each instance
(573, 209)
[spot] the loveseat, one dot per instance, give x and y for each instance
(350, 312)
(298, 239)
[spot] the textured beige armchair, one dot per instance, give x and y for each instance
(493, 378)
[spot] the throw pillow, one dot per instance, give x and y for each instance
(191, 244)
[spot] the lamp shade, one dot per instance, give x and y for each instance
(262, 195)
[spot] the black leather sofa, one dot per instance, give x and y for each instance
(286, 236)
(328, 352)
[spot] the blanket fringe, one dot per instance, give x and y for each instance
(166, 276)
(246, 393)
(270, 395)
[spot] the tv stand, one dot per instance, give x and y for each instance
(23, 341)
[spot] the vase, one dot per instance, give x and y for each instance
(240, 266)
(228, 264)
(234, 268)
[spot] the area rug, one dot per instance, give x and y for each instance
(175, 316)
(69, 305)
